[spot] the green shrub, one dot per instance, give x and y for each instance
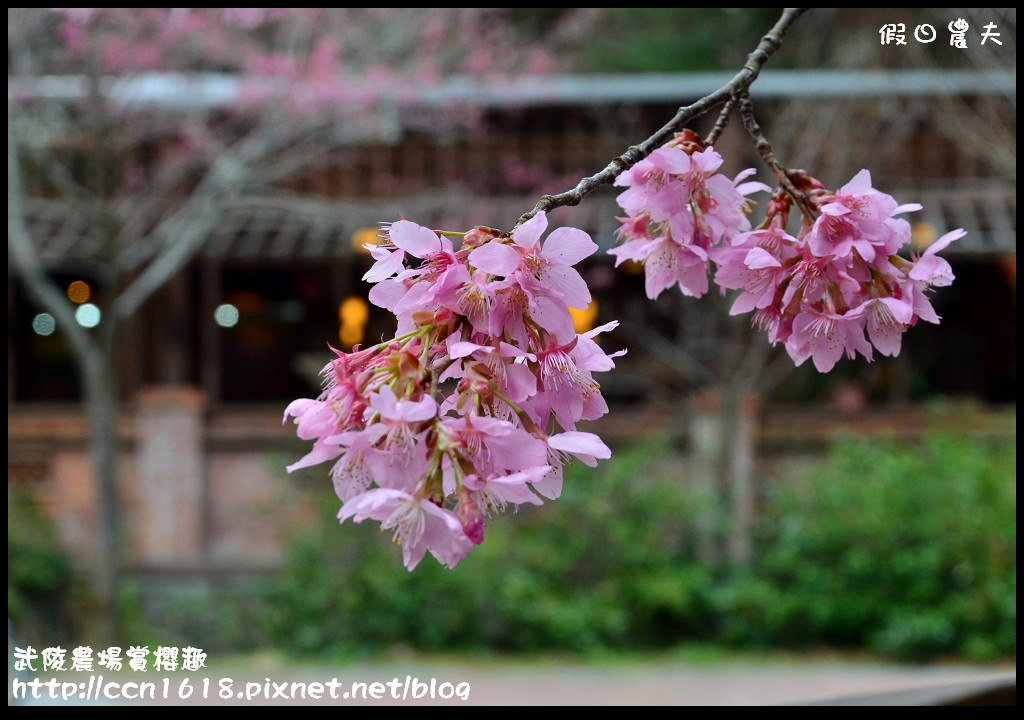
(41, 582)
(909, 550)
(904, 550)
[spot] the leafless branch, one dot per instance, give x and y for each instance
(22, 252)
(723, 120)
(671, 354)
(768, 156)
(739, 84)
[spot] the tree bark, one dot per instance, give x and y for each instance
(739, 413)
(100, 394)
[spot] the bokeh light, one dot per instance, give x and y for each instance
(79, 292)
(88, 315)
(584, 319)
(44, 324)
(365, 236)
(226, 315)
(353, 313)
(923, 234)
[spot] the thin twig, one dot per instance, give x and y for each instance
(765, 148)
(740, 82)
(723, 120)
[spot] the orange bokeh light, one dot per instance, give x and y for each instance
(79, 292)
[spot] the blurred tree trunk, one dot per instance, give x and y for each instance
(101, 399)
(707, 447)
(739, 438)
(723, 437)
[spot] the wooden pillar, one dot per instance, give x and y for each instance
(210, 292)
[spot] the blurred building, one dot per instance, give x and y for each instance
(208, 366)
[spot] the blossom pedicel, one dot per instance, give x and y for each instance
(819, 292)
(430, 459)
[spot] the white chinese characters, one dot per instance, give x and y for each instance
(925, 33)
(139, 659)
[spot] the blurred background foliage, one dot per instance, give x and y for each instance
(873, 549)
(908, 551)
(45, 595)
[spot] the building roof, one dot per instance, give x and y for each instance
(178, 92)
(300, 229)
(274, 228)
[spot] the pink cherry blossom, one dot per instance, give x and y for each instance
(754, 264)
(491, 443)
(679, 208)
(824, 337)
(932, 270)
(818, 292)
(887, 319)
(432, 463)
(352, 475)
(585, 446)
(419, 525)
(548, 265)
(495, 493)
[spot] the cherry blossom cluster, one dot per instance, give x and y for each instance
(472, 407)
(817, 293)
(678, 209)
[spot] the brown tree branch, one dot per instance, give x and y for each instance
(22, 252)
(720, 123)
(768, 156)
(739, 84)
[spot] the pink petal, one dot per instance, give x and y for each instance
(943, 242)
(866, 250)
(908, 207)
(321, 452)
(415, 239)
(553, 316)
(384, 402)
(743, 175)
(744, 303)
(517, 449)
(565, 281)
(568, 245)
(528, 234)
(423, 409)
(607, 327)
(758, 258)
(419, 297)
(661, 268)
(495, 258)
(463, 349)
(385, 267)
(860, 183)
(514, 352)
(374, 504)
(671, 160)
(752, 187)
(632, 250)
(580, 442)
(835, 208)
(520, 382)
(296, 408)
(933, 270)
(900, 309)
(550, 486)
(386, 294)
(887, 339)
(707, 160)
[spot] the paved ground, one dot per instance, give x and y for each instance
(542, 682)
